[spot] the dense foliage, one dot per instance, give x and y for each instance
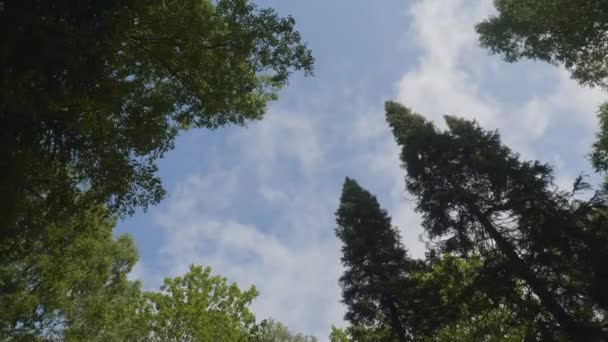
(95, 92)
(572, 33)
(272, 331)
(511, 256)
(71, 281)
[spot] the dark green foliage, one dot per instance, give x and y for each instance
(511, 257)
(95, 92)
(572, 33)
(476, 196)
(375, 261)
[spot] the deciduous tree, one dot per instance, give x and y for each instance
(571, 33)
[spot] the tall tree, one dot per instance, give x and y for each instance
(375, 261)
(474, 192)
(572, 33)
(93, 93)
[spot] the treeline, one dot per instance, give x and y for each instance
(95, 92)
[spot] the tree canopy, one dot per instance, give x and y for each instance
(198, 307)
(93, 94)
(96, 92)
(572, 33)
(69, 282)
(274, 331)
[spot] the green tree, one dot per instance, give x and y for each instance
(69, 282)
(466, 305)
(572, 33)
(476, 195)
(198, 307)
(273, 331)
(376, 263)
(95, 92)
(338, 335)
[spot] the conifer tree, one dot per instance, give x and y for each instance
(476, 195)
(375, 262)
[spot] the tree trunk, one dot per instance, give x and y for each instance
(396, 322)
(567, 323)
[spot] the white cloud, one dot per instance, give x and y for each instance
(455, 76)
(297, 279)
(271, 194)
(291, 254)
(281, 136)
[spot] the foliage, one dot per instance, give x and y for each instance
(69, 282)
(361, 334)
(476, 196)
(273, 331)
(466, 311)
(572, 33)
(374, 260)
(198, 307)
(511, 257)
(95, 92)
(338, 335)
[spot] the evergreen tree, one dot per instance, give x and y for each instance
(476, 195)
(375, 262)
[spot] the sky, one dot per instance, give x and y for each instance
(257, 203)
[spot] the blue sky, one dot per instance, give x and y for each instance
(256, 203)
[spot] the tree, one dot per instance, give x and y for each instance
(273, 331)
(198, 307)
(338, 335)
(480, 198)
(70, 282)
(94, 93)
(361, 333)
(465, 306)
(572, 33)
(376, 263)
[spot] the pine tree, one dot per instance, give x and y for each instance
(375, 262)
(477, 195)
